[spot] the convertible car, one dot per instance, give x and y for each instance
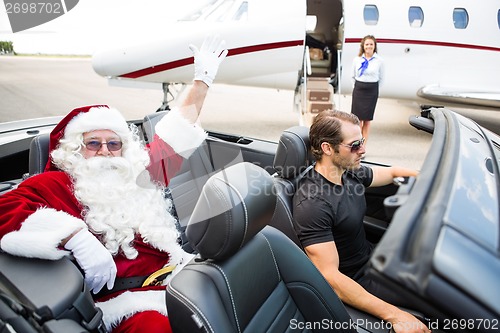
(437, 236)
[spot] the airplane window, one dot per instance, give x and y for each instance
(370, 14)
(222, 12)
(498, 18)
(242, 12)
(199, 12)
(460, 18)
(415, 17)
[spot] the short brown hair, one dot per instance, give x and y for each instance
(326, 127)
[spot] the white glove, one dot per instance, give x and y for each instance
(208, 58)
(94, 259)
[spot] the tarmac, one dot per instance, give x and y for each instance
(34, 87)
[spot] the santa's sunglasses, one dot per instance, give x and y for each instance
(95, 145)
(355, 145)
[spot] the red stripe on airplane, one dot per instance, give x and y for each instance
(426, 42)
(158, 68)
(190, 60)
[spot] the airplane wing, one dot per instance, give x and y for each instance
(460, 96)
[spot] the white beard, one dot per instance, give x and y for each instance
(120, 202)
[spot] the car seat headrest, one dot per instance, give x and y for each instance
(293, 153)
(39, 153)
(235, 204)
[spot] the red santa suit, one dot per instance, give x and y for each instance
(44, 210)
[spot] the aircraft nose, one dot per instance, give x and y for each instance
(98, 64)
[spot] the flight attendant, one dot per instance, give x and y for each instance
(367, 73)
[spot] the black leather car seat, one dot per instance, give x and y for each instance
(39, 154)
(291, 161)
(247, 277)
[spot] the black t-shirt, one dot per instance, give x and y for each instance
(324, 212)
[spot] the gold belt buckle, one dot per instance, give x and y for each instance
(152, 280)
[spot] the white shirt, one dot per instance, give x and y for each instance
(373, 73)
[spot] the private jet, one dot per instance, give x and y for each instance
(435, 53)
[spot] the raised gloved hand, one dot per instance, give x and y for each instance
(94, 259)
(208, 58)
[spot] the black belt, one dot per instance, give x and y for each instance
(125, 283)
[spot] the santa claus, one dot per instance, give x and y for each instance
(101, 199)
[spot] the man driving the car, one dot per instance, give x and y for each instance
(328, 211)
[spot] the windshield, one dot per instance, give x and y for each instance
(495, 146)
(473, 206)
(219, 11)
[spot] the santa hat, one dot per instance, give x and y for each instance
(86, 119)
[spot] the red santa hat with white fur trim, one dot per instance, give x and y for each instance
(86, 119)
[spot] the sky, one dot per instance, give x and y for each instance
(92, 24)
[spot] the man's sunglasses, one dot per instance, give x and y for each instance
(95, 145)
(356, 145)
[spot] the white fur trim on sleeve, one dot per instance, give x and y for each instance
(185, 260)
(129, 303)
(41, 233)
(179, 133)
